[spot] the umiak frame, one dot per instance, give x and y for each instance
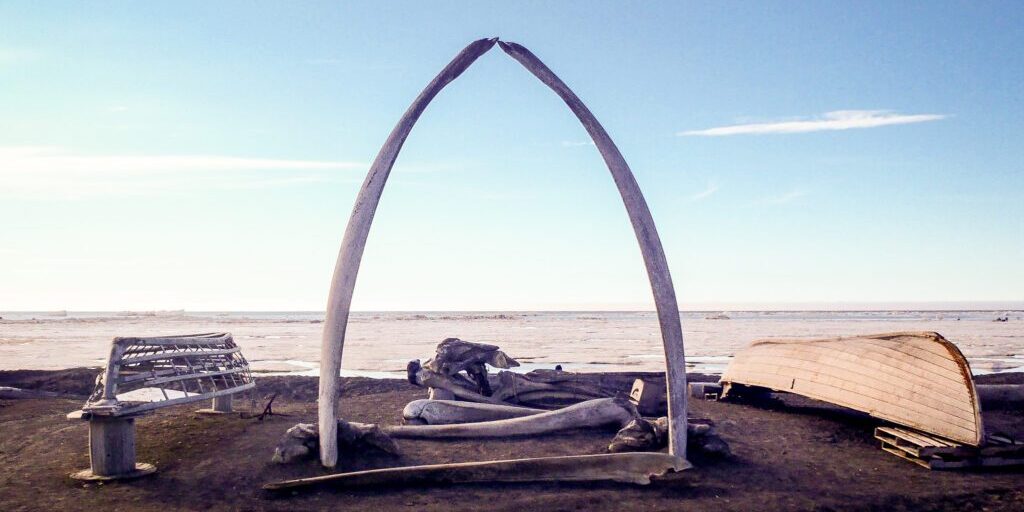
(354, 241)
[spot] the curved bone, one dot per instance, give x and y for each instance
(593, 413)
(350, 254)
(647, 236)
(513, 387)
(457, 384)
(454, 355)
(633, 468)
(446, 412)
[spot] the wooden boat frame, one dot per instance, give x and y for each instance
(357, 231)
(199, 366)
(180, 364)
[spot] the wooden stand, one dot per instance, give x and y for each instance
(221, 405)
(112, 450)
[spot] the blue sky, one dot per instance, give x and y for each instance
(206, 155)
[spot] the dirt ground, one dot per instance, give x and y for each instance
(794, 455)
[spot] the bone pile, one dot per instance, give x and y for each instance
(465, 401)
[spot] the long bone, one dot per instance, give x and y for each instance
(633, 468)
(446, 412)
(592, 413)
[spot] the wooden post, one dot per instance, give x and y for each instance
(112, 450)
(220, 405)
(112, 446)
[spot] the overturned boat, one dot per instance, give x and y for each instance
(916, 379)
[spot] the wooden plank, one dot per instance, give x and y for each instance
(133, 409)
(196, 374)
(884, 357)
(905, 456)
(855, 396)
(809, 368)
(931, 462)
(926, 448)
(178, 355)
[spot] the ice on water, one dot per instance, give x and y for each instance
(380, 344)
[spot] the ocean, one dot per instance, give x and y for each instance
(380, 344)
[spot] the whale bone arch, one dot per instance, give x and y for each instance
(350, 254)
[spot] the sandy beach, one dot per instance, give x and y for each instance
(795, 455)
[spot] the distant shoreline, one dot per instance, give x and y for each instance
(1018, 309)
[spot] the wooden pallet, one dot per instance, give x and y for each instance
(937, 453)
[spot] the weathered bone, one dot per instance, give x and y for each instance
(593, 413)
(646, 235)
(446, 412)
(457, 385)
(302, 440)
(539, 388)
(339, 301)
(640, 435)
(633, 468)
(513, 387)
(454, 355)
(645, 435)
(296, 443)
(358, 229)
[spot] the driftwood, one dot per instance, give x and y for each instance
(633, 468)
(446, 412)
(593, 413)
(350, 254)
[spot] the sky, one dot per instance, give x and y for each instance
(206, 155)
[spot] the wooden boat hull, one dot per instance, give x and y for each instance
(916, 379)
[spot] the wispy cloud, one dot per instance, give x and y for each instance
(576, 143)
(788, 197)
(44, 172)
(706, 193)
(829, 121)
